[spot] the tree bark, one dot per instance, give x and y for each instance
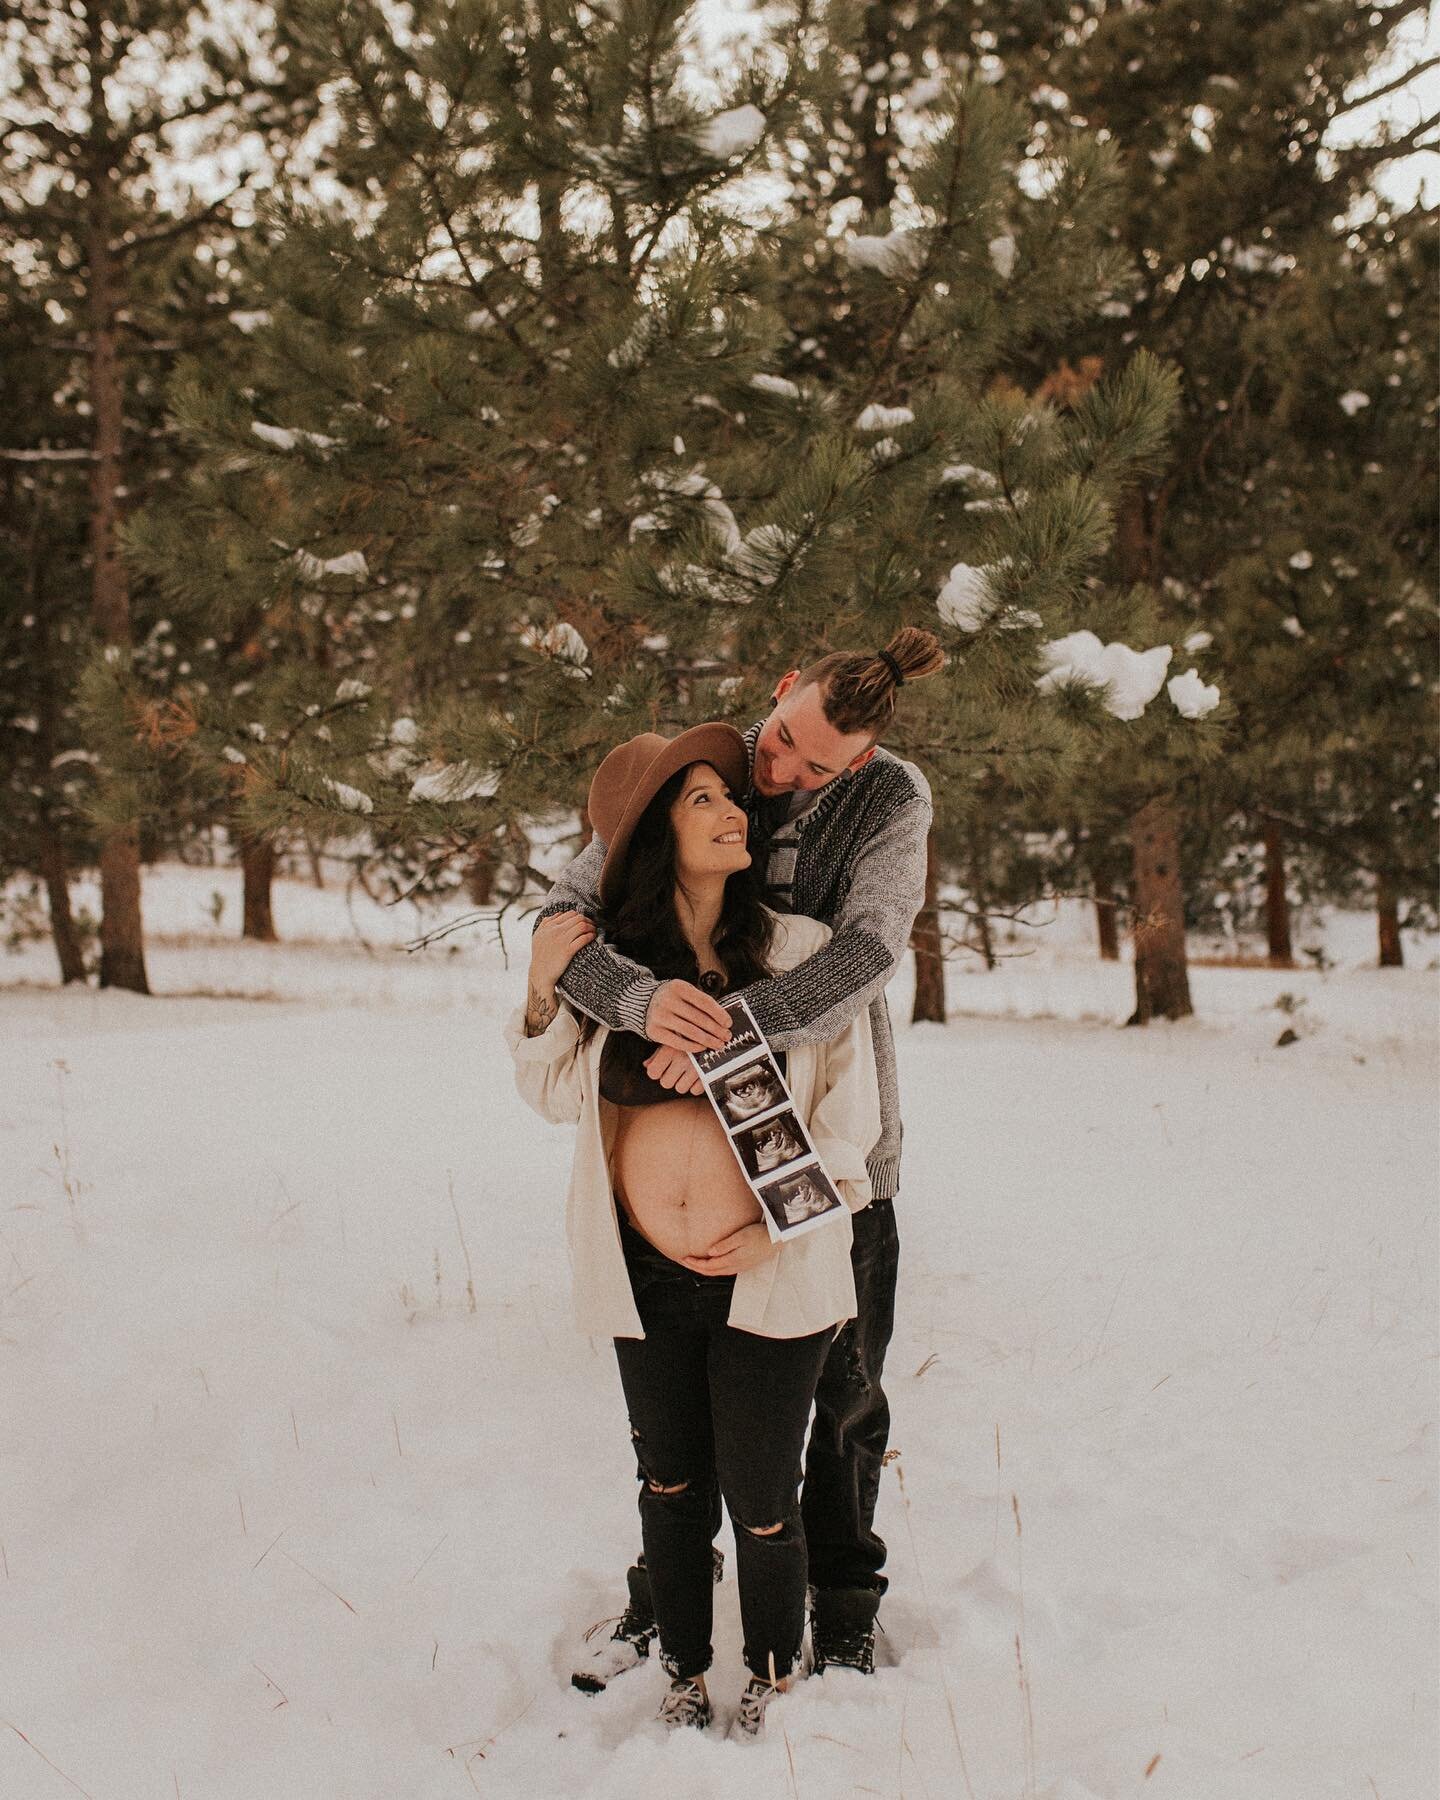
(57, 890)
(874, 182)
(1277, 901)
(929, 951)
(122, 949)
(1162, 981)
(1392, 951)
(480, 876)
(1106, 923)
(550, 187)
(979, 881)
(257, 864)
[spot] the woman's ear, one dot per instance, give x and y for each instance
(785, 683)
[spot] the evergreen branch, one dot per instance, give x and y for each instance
(1361, 158)
(1398, 81)
(41, 456)
(478, 282)
(159, 234)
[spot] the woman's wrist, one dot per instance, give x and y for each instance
(541, 1006)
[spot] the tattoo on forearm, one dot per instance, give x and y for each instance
(540, 1010)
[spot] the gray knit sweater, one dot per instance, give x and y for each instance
(855, 860)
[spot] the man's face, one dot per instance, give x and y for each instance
(799, 750)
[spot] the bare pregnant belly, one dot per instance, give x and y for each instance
(677, 1178)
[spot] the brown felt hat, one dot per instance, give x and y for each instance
(634, 772)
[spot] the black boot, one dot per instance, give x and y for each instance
(842, 1629)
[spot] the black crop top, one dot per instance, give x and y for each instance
(623, 1078)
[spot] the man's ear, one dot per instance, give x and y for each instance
(860, 761)
(785, 683)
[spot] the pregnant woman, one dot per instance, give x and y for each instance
(719, 1333)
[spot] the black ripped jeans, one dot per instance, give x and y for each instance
(717, 1411)
(852, 1419)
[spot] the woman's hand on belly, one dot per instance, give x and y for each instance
(732, 1255)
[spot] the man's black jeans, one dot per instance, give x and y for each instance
(852, 1418)
(715, 1408)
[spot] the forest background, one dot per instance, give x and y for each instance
(405, 403)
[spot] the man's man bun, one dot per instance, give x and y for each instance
(860, 689)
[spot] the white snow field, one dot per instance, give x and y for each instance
(309, 1489)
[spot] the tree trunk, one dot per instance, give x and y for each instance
(1106, 923)
(257, 863)
(543, 58)
(317, 869)
(980, 890)
(1277, 901)
(1392, 951)
(122, 949)
(57, 890)
(875, 185)
(1162, 982)
(929, 951)
(480, 877)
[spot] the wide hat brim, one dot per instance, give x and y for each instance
(719, 745)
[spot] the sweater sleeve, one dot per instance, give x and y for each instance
(598, 980)
(817, 999)
(845, 1122)
(547, 1067)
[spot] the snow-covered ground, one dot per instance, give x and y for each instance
(309, 1490)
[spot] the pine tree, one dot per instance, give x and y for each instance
(44, 767)
(1218, 120)
(564, 429)
(97, 183)
(1325, 617)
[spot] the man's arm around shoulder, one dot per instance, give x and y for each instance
(599, 981)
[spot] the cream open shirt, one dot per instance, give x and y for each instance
(807, 1283)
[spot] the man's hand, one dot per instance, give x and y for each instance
(732, 1255)
(684, 1017)
(673, 1069)
(554, 942)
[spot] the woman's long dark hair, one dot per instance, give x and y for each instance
(644, 925)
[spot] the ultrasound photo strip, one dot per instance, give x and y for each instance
(767, 1136)
(745, 1036)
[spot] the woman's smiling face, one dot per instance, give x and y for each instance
(710, 826)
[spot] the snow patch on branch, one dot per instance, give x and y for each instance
(447, 783)
(769, 384)
(884, 418)
(973, 477)
(348, 799)
(967, 599)
(1191, 697)
(731, 133)
(562, 643)
(692, 484)
(1128, 679)
(312, 568)
(284, 437)
(899, 253)
(764, 552)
